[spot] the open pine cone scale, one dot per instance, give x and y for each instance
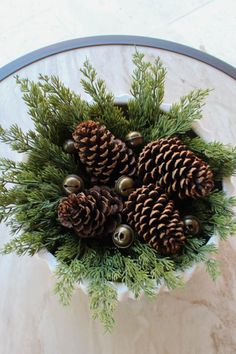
(93, 213)
(105, 157)
(164, 168)
(169, 162)
(150, 212)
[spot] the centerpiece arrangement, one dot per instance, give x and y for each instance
(117, 193)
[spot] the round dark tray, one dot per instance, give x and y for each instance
(72, 44)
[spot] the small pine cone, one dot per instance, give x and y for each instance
(92, 213)
(150, 212)
(169, 162)
(105, 157)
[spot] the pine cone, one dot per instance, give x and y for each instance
(169, 162)
(105, 157)
(92, 213)
(150, 212)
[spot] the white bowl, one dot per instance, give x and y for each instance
(122, 290)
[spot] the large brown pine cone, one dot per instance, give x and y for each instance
(150, 212)
(93, 213)
(105, 157)
(169, 162)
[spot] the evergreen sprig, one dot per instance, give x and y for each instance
(217, 214)
(222, 158)
(195, 251)
(27, 243)
(31, 190)
(147, 89)
(54, 108)
(181, 115)
(104, 109)
(19, 141)
(68, 276)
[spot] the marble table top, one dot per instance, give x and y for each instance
(199, 319)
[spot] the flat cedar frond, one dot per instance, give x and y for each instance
(54, 109)
(221, 203)
(147, 89)
(221, 158)
(194, 252)
(71, 249)
(103, 110)
(65, 103)
(103, 302)
(213, 268)
(181, 115)
(216, 213)
(17, 139)
(136, 278)
(45, 151)
(6, 164)
(27, 243)
(67, 277)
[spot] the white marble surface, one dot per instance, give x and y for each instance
(197, 320)
(208, 25)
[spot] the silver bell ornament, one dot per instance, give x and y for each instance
(73, 184)
(123, 236)
(124, 186)
(192, 225)
(69, 146)
(134, 139)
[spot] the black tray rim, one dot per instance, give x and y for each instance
(106, 40)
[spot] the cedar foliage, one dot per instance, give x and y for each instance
(30, 191)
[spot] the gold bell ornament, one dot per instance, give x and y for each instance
(134, 139)
(123, 236)
(73, 184)
(124, 186)
(192, 225)
(69, 146)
